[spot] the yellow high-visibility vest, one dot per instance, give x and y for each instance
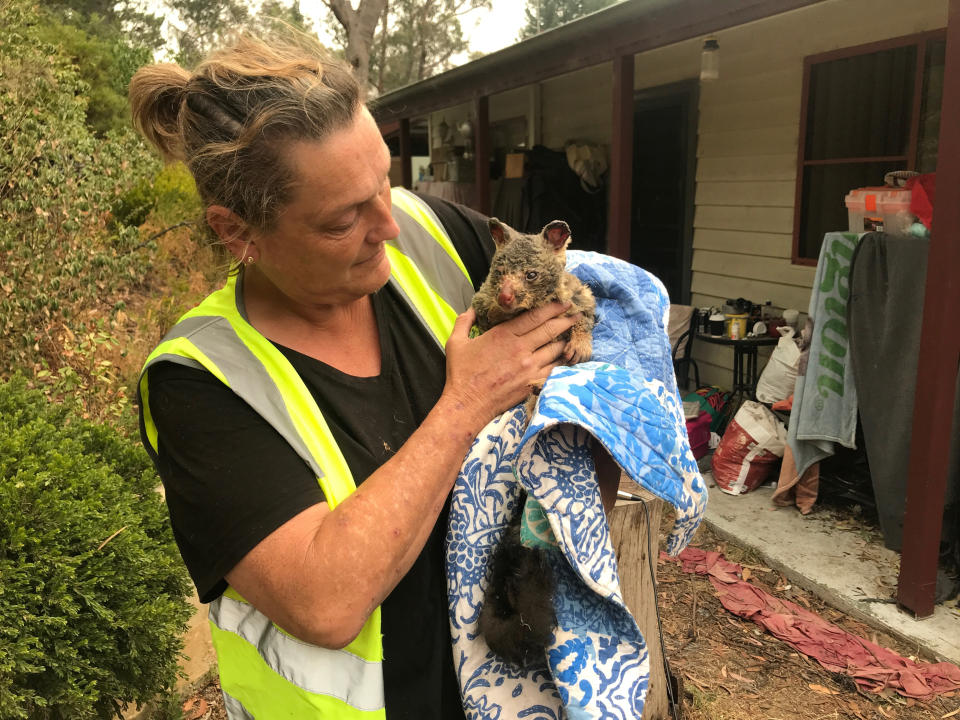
(265, 673)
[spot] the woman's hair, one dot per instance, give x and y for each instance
(232, 119)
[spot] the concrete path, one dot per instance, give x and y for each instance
(842, 565)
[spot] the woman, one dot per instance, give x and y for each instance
(309, 374)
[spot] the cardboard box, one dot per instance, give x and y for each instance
(514, 165)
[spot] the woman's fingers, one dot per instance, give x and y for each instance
(496, 370)
(547, 357)
(530, 320)
(543, 325)
(554, 328)
(463, 323)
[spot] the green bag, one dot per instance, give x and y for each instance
(713, 400)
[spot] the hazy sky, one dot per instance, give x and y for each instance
(485, 30)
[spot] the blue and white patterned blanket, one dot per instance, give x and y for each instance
(597, 665)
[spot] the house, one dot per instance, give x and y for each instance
(725, 188)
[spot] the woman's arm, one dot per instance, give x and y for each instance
(321, 574)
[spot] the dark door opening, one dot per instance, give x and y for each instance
(664, 168)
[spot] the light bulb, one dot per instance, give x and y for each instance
(710, 60)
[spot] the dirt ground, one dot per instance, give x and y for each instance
(730, 669)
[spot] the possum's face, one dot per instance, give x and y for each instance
(526, 270)
(525, 275)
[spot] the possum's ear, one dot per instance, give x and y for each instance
(557, 233)
(499, 231)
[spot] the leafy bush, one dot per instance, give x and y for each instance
(64, 273)
(104, 61)
(176, 194)
(92, 598)
(172, 194)
(133, 206)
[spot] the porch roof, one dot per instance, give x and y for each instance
(620, 30)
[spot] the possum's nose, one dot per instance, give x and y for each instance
(505, 298)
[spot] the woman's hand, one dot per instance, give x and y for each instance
(493, 372)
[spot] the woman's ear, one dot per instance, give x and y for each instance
(233, 232)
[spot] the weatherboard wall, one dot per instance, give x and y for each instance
(748, 135)
(576, 107)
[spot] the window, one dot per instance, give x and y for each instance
(866, 111)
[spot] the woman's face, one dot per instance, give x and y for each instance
(326, 247)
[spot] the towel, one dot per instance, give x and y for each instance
(597, 663)
(825, 396)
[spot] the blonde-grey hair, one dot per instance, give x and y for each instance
(232, 119)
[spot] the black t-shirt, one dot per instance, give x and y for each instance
(231, 479)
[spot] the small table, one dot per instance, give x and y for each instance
(745, 373)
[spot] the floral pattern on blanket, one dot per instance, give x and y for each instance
(597, 664)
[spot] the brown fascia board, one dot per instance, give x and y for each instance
(625, 28)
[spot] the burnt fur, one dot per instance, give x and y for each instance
(517, 619)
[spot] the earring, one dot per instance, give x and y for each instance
(249, 260)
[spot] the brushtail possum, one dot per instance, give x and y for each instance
(527, 271)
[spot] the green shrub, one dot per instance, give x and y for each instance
(64, 269)
(103, 60)
(133, 206)
(92, 588)
(176, 195)
(172, 194)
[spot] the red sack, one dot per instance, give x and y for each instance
(749, 449)
(922, 189)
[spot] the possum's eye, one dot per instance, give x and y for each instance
(532, 275)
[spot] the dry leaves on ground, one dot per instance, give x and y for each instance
(732, 670)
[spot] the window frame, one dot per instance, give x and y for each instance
(921, 40)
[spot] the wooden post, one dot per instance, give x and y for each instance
(406, 167)
(629, 525)
(621, 159)
(481, 157)
(933, 428)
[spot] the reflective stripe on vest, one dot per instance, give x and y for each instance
(266, 673)
(235, 709)
(300, 682)
(416, 265)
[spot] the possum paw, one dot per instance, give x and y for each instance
(579, 348)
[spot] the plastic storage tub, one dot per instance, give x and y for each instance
(879, 208)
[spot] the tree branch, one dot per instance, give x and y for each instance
(342, 11)
(185, 223)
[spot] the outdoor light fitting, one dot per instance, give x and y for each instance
(710, 60)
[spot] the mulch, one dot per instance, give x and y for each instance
(731, 669)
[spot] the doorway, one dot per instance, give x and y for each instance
(664, 172)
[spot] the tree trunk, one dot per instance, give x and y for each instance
(382, 69)
(629, 525)
(360, 26)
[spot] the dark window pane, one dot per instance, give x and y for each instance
(930, 108)
(860, 106)
(825, 187)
